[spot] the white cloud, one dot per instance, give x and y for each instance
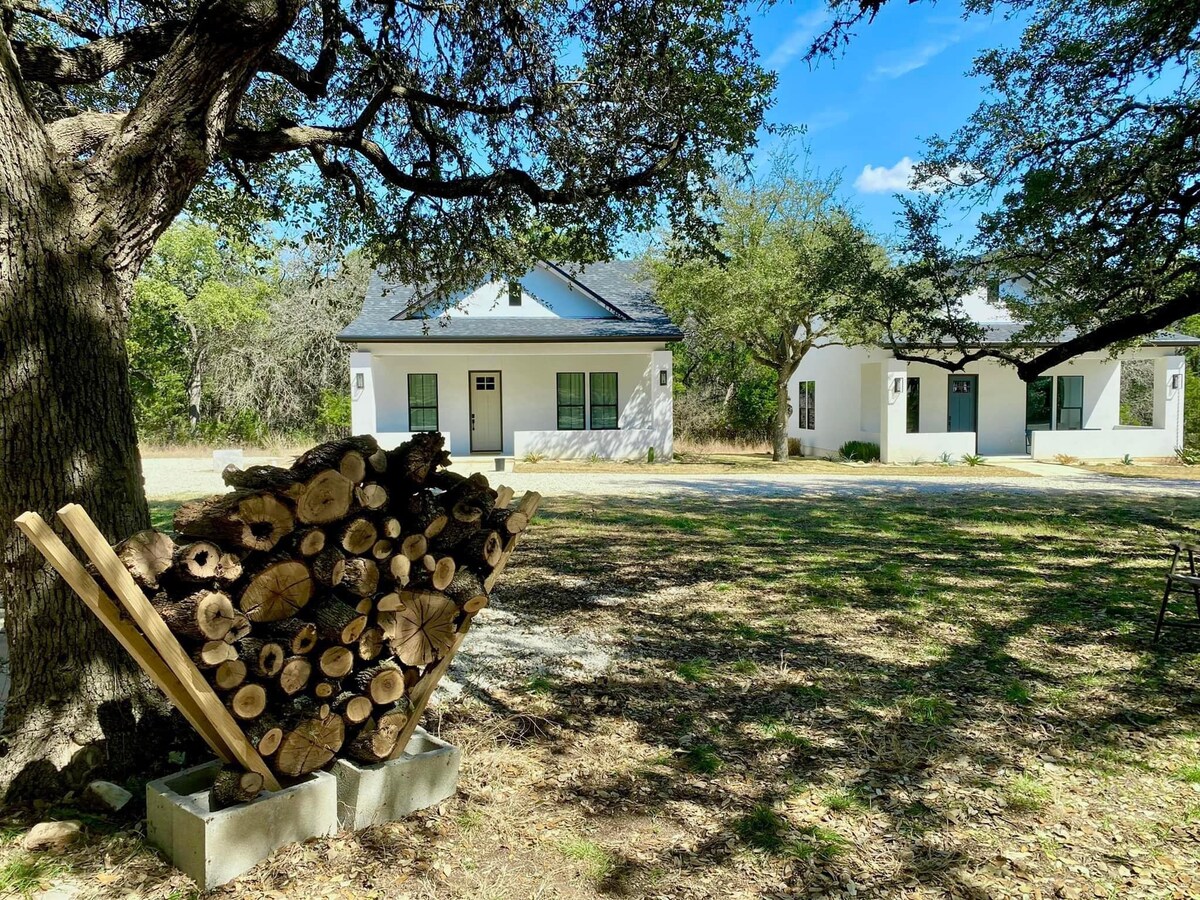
(798, 40)
(886, 179)
(894, 66)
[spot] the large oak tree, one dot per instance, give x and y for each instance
(447, 134)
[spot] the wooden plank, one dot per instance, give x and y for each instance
(160, 637)
(42, 536)
(425, 688)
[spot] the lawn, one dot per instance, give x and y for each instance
(885, 697)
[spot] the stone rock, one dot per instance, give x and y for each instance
(106, 795)
(53, 837)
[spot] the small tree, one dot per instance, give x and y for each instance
(780, 279)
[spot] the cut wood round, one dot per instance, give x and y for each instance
(390, 527)
(310, 742)
(442, 572)
(235, 785)
(294, 676)
(263, 658)
(239, 629)
(249, 520)
(353, 466)
(382, 549)
(424, 627)
(277, 591)
(230, 568)
(360, 576)
(203, 615)
(337, 622)
(506, 521)
(484, 547)
(466, 589)
(475, 604)
(358, 536)
(354, 708)
(146, 555)
(371, 495)
(364, 606)
(370, 643)
(298, 636)
(325, 690)
(383, 683)
(428, 562)
(377, 738)
(388, 602)
(197, 561)
(264, 733)
(414, 546)
(211, 654)
(248, 701)
(326, 497)
(311, 542)
(336, 662)
(329, 567)
(229, 674)
(400, 568)
(378, 460)
(530, 501)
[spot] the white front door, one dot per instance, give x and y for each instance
(485, 413)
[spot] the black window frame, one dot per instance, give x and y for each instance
(581, 405)
(1059, 407)
(807, 405)
(424, 406)
(912, 405)
(593, 405)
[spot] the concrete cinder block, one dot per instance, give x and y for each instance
(216, 847)
(423, 776)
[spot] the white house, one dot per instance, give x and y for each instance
(565, 362)
(918, 411)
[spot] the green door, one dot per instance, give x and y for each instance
(964, 403)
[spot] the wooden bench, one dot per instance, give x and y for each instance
(1186, 580)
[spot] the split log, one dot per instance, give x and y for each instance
(248, 520)
(364, 606)
(329, 567)
(504, 497)
(424, 627)
(354, 708)
(466, 589)
(146, 555)
(278, 590)
(264, 733)
(400, 568)
(204, 615)
(298, 636)
(229, 674)
(294, 676)
(248, 702)
(311, 738)
(383, 682)
(529, 504)
(311, 541)
(388, 602)
(264, 658)
(358, 536)
(484, 547)
(211, 654)
(371, 495)
(324, 498)
(377, 461)
(370, 643)
(377, 737)
(361, 576)
(234, 785)
(336, 662)
(337, 622)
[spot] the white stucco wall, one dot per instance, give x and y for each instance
(855, 402)
(528, 386)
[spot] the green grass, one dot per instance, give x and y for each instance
(1188, 774)
(762, 828)
(26, 874)
(933, 711)
(694, 670)
(703, 759)
(598, 862)
(540, 684)
(845, 801)
(766, 830)
(1025, 794)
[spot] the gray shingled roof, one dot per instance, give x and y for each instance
(1003, 332)
(616, 284)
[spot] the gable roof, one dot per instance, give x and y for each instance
(617, 286)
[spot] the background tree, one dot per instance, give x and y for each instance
(780, 278)
(439, 133)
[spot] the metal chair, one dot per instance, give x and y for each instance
(1188, 580)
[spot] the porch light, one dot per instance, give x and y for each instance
(1175, 382)
(662, 377)
(897, 384)
(360, 380)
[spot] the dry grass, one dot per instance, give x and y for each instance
(281, 448)
(1139, 470)
(921, 698)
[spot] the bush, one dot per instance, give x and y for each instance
(1065, 459)
(859, 451)
(972, 459)
(1189, 456)
(795, 447)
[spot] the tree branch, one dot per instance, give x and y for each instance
(77, 135)
(91, 62)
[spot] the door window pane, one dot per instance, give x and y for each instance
(1070, 402)
(570, 401)
(604, 400)
(422, 403)
(1037, 404)
(912, 421)
(808, 405)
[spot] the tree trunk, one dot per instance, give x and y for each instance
(779, 433)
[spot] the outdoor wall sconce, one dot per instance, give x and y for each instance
(360, 380)
(662, 377)
(897, 384)
(1175, 382)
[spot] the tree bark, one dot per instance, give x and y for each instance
(779, 433)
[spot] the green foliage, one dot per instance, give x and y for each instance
(1189, 456)
(973, 459)
(1025, 794)
(859, 451)
(703, 760)
(1127, 460)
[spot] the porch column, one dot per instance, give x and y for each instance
(362, 399)
(662, 404)
(892, 407)
(1168, 400)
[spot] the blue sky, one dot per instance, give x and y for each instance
(902, 78)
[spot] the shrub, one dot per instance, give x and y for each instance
(1065, 459)
(1189, 456)
(1127, 460)
(944, 458)
(859, 451)
(795, 447)
(650, 454)
(973, 459)
(534, 458)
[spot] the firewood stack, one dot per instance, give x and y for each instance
(319, 599)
